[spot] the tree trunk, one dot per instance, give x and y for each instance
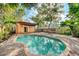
(49, 24)
(74, 34)
(73, 31)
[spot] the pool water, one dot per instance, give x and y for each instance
(42, 45)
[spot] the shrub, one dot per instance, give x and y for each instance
(77, 34)
(64, 30)
(67, 32)
(3, 35)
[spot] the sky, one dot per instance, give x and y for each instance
(66, 10)
(30, 13)
(33, 12)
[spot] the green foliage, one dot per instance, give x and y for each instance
(64, 30)
(39, 21)
(8, 17)
(73, 22)
(48, 12)
(74, 9)
(10, 13)
(67, 32)
(3, 35)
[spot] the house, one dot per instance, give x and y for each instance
(25, 27)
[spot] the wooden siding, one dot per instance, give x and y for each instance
(20, 28)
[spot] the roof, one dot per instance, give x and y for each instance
(26, 23)
(29, 20)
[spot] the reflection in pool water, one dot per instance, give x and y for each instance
(42, 45)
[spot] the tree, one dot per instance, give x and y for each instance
(73, 21)
(39, 20)
(7, 19)
(49, 12)
(10, 13)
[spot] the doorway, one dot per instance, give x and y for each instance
(25, 29)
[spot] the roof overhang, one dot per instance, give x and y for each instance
(26, 23)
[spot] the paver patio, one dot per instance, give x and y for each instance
(11, 47)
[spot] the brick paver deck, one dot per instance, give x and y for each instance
(11, 47)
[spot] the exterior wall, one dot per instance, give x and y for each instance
(17, 28)
(31, 29)
(20, 28)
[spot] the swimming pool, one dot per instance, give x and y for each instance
(42, 45)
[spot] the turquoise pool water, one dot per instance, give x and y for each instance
(42, 45)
